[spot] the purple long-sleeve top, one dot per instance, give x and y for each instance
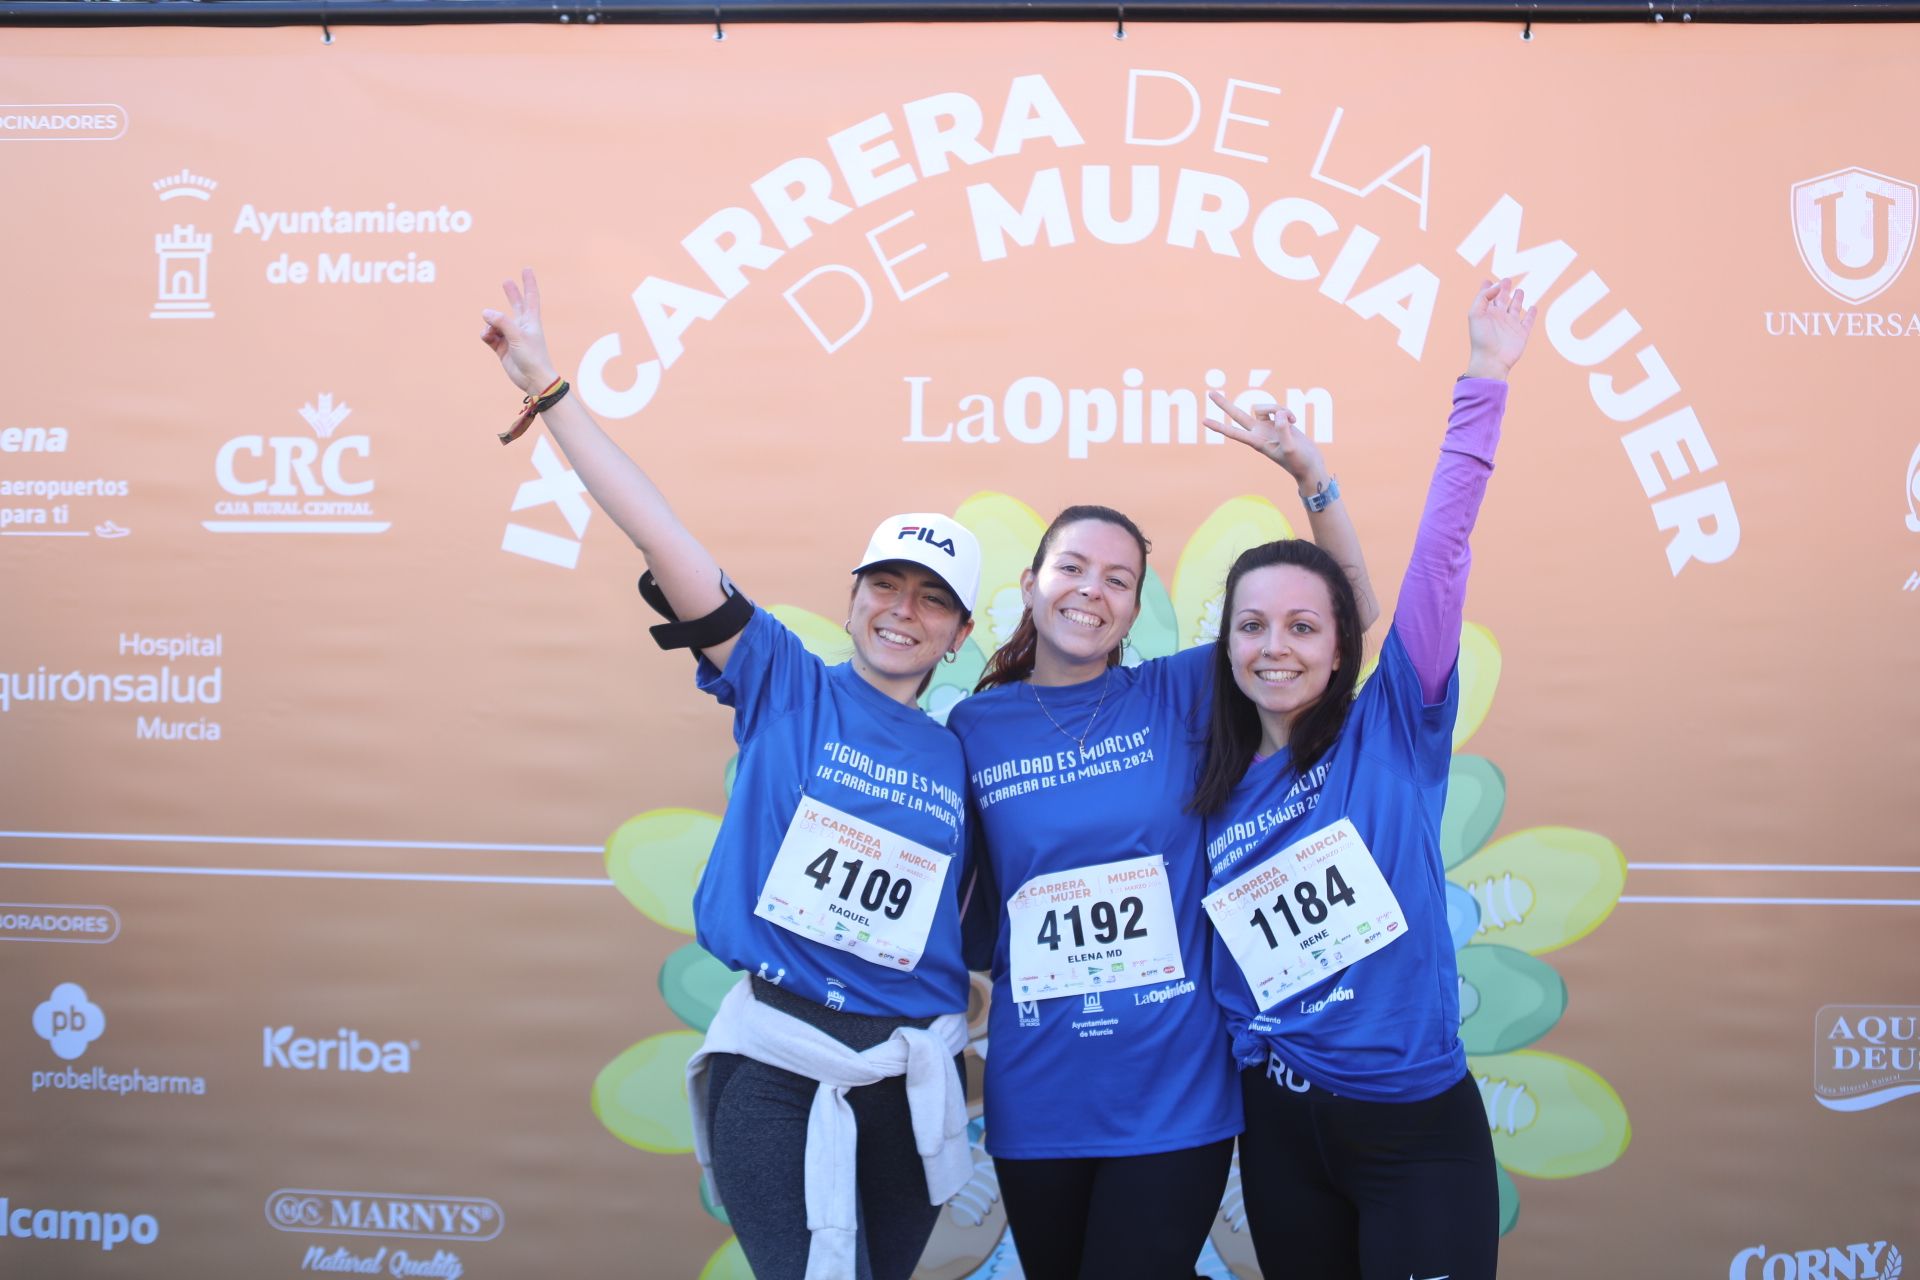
(1434, 594)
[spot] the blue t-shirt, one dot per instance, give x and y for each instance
(1131, 1072)
(1387, 1027)
(806, 727)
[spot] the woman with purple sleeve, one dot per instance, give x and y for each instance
(1366, 1154)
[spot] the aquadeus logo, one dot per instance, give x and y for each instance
(1865, 1055)
(345, 1050)
(377, 1213)
(1855, 229)
(1878, 1260)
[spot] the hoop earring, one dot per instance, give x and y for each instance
(953, 655)
(847, 626)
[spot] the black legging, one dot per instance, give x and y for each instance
(757, 1118)
(1340, 1189)
(1114, 1217)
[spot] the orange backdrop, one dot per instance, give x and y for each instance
(328, 720)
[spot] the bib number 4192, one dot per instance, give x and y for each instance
(1105, 918)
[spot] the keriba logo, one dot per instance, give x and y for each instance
(1855, 230)
(346, 1050)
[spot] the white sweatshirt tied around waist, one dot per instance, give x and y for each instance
(936, 1104)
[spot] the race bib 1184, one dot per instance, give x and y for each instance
(1305, 913)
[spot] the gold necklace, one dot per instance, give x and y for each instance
(1106, 678)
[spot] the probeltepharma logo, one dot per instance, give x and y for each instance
(1877, 1260)
(345, 1050)
(306, 1211)
(105, 1228)
(70, 1022)
(1865, 1055)
(298, 484)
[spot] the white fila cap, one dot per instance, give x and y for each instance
(933, 541)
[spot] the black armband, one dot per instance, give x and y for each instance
(718, 627)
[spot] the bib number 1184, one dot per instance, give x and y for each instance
(1313, 907)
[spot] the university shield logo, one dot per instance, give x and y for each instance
(1854, 229)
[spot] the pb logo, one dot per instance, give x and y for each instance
(1854, 229)
(921, 534)
(68, 1021)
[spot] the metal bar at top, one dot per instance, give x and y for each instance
(267, 13)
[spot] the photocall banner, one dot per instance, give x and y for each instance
(349, 818)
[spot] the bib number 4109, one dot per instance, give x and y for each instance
(1313, 908)
(879, 891)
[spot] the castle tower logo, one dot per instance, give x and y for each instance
(183, 252)
(1855, 229)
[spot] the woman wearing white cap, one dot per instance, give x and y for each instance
(828, 1104)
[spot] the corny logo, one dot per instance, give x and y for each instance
(1877, 1260)
(1854, 229)
(69, 1021)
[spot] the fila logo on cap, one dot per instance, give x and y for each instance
(927, 536)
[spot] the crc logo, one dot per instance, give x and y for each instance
(69, 1021)
(1855, 230)
(378, 1213)
(347, 1050)
(1876, 1261)
(294, 458)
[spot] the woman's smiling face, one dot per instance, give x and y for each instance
(1282, 642)
(1086, 593)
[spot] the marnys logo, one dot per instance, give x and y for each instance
(347, 1050)
(305, 487)
(89, 1225)
(69, 1021)
(1876, 1261)
(1855, 230)
(1865, 1055)
(377, 1213)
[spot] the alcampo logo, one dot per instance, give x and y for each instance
(297, 484)
(346, 1050)
(1876, 1261)
(69, 1021)
(306, 1211)
(1855, 230)
(92, 1226)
